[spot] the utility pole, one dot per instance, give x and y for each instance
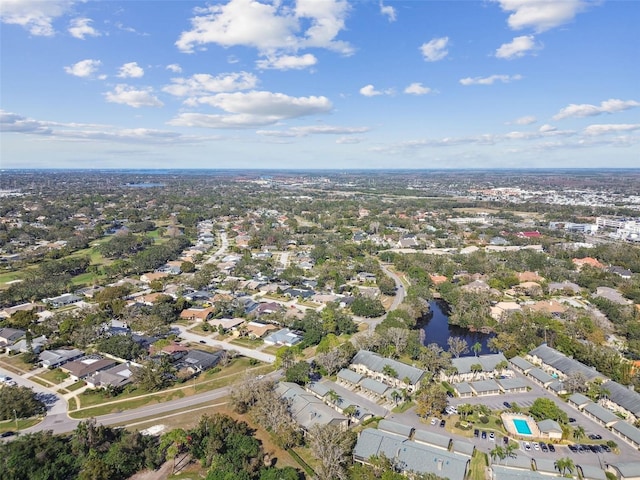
(15, 416)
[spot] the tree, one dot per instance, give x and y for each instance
(457, 346)
(332, 446)
(575, 382)
(579, 433)
(21, 402)
(465, 410)
(367, 307)
(564, 465)
(498, 452)
(174, 442)
(298, 373)
(431, 399)
(398, 338)
(154, 375)
(389, 371)
(477, 348)
(543, 408)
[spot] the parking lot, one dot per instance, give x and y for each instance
(582, 455)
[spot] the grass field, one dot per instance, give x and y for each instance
(54, 376)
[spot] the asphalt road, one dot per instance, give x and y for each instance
(247, 352)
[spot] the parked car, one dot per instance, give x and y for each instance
(484, 435)
(6, 434)
(527, 446)
(506, 404)
(476, 433)
(505, 440)
(492, 436)
(442, 423)
(536, 446)
(573, 448)
(552, 449)
(543, 447)
(606, 448)
(434, 421)
(572, 420)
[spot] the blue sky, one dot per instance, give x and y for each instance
(319, 84)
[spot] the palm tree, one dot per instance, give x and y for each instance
(579, 433)
(499, 452)
(396, 396)
(333, 397)
(564, 465)
(465, 410)
(510, 449)
(477, 348)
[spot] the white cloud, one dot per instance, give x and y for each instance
(287, 62)
(542, 15)
(489, 80)
(435, 49)
(417, 89)
(526, 120)
(518, 47)
(12, 122)
(586, 110)
(130, 70)
(205, 84)
(175, 68)
(81, 28)
(369, 91)
(546, 128)
(84, 68)
(313, 130)
(134, 97)
(36, 16)
(268, 27)
(594, 130)
(389, 11)
(349, 140)
(252, 109)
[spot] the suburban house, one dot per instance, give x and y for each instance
(625, 471)
(283, 337)
(8, 336)
(86, 366)
(258, 330)
(116, 377)
(550, 429)
(391, 372)
(198, 361)
(55, 358)
(63, 300)
(196, 314)
(35, 345)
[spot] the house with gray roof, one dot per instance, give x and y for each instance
(564, 286)
(502, 472)
(512, 385)
(427, 437)
(376, 389)
(35, 345)
(63, 300)
(485, 387)
(521, 365)
(579, 400)
(377, 367)
(55, 358)
(559, 365)
(306, 409)
(591, 472)
(473, 368)
(539, 376)
(284, 337)
(600, 414)
(8, 336)
(198, 360)
(625, 470)
(612, 295)
(550, 429)
(409, 456)
(622, 399)
(627, 432)
(463, 389)
(349, 378)
(116, 377)
(395, 427)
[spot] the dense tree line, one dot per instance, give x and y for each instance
(20, 402)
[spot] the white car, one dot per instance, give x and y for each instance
(527, 446)
(536, 446)
(434, 421)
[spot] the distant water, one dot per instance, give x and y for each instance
(144, 185)
(437, 330)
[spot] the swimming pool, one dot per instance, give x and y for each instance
(522, 426)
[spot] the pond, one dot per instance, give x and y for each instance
(437, 330)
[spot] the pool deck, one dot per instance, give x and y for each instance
(507, 421)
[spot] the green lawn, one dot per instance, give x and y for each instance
(247, 342)
(54, 376)
(76, 386)
(478, 466)
(10, 276)
(10, 425)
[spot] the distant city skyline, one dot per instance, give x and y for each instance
(315, 84)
